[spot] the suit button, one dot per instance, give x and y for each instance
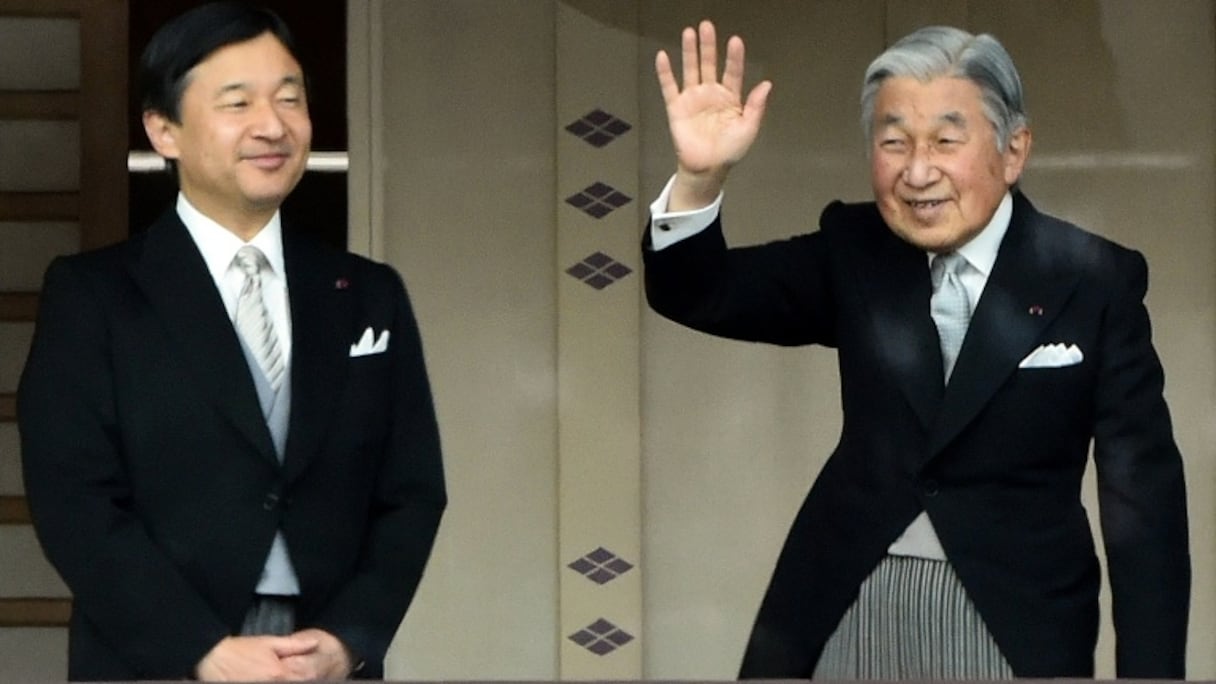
(271, 501)
(929, 487)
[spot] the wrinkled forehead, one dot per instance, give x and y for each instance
(944, 101)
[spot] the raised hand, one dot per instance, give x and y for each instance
(712, 127)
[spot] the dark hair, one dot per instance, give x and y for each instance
(190, 38)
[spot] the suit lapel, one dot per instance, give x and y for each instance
(897, 283)
(183, 296)
(1026, 290)
(321, 315)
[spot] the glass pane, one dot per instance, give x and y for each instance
(25, 570)
(14, 347)
(27, 248)
(10, 460)
(39, 53)
(39, 156)
(34, 654)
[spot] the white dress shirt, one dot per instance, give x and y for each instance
(668, 228)
(218, 247)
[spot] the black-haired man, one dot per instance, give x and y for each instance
(229, 444)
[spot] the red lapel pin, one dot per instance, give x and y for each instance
(1035, 310)
(341, 284)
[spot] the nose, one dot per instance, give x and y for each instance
(267, 122)
(920, 169)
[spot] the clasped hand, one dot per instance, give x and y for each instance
(311, 654)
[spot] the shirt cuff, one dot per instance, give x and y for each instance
(668, 228)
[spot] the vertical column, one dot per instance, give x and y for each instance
(461, 143)
(599, 282)
(103, 153)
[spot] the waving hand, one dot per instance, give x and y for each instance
(712, 127)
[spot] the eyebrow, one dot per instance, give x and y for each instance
(290, 79)
(890, 120)
(953, 118)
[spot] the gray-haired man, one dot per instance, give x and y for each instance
(983, 346)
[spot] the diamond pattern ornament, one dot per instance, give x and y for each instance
(599, 270)
(601, 566)
(601, 637)
(598, 128)
(598, 200)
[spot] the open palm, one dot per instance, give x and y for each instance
(712, 127)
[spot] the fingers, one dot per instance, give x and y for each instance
(667, 80)
(241, 659)
(301, 669)
(699, 62)
(732, 72)
(688, 46)
(288, 646)
(709, 53)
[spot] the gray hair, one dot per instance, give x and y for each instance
(936, 51)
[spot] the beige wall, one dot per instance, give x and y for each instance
(574, 417)
(466, 194)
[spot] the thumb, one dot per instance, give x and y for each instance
(757, 101)
(286, 646)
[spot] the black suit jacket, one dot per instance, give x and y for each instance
(152, 480)
(995, 459)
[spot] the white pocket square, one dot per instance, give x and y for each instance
(1053, 356)
(370, 344)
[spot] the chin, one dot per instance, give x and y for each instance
(266, 201)
(266, 195)
(922, 238)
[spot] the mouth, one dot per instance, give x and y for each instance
(924, 205)
(269, 161)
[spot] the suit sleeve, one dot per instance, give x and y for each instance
(778, 292)
(1141, 491)
(80, 497)
(408, 503)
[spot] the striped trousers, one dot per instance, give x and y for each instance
(912, 620)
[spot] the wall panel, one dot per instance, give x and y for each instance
(466, 185)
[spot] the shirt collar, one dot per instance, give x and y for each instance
(219, 246)
(980, 251)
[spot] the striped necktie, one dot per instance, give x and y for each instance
(253, 320)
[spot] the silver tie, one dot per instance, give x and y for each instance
(949, 306)
(253, 320)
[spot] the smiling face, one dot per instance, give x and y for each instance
(937, 173)
(244, 135)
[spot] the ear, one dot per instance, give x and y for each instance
(162, 133)
(1016, 154)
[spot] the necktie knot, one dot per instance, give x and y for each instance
(951, 263)
(250, 260)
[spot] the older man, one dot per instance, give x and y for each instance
(982, 345)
